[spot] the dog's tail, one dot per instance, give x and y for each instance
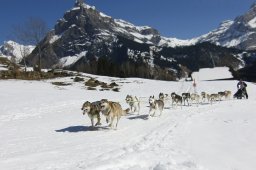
(125, 112)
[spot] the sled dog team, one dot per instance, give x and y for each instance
(113, 111)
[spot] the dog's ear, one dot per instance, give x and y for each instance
(104, 100)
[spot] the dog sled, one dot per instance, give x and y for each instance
(239, 94)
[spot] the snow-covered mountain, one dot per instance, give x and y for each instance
(240, 33)
(108, 26)
(88, 40)
(86, 32)
(13, 50)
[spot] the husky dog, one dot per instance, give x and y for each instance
(185, 97)
(204, 96)
(195, 97)
(227, 94)
(93, 111)
(176, 99)
(163, 97)
(214, 97)
(112, 110)
(155, 105)
(208, 96)
(221, 94)
(134, 103)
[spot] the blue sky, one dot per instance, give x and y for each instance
(182, 19)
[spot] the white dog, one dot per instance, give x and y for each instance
(134, 103)
(195, 97)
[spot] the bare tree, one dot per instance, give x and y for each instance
(31, 32)
(24, 51)
(19, 36)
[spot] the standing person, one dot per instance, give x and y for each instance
(194, 86)
(242, 86)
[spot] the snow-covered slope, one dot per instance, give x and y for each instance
(213, 36)
(174, 42)
(215, 73)
(42, 127)
(11, 49)
(240, 33)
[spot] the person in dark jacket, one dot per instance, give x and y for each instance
(242, 86)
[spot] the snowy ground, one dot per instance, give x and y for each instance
(212, 73)
(42, 128)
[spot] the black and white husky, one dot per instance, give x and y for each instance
(155, 105)
(164, 98)
(185, 97)
(176, 99)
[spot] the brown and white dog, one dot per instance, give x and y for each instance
(227, 94)
(221, 95)
(112, 110)
(214, 97)
(93, 111)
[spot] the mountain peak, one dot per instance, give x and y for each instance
(13, 49)
(79, 3)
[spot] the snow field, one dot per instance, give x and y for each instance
(42, 127)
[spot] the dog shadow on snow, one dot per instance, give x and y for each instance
(75, 129)
(143, 117)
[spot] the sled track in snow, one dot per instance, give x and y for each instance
(158, 141)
